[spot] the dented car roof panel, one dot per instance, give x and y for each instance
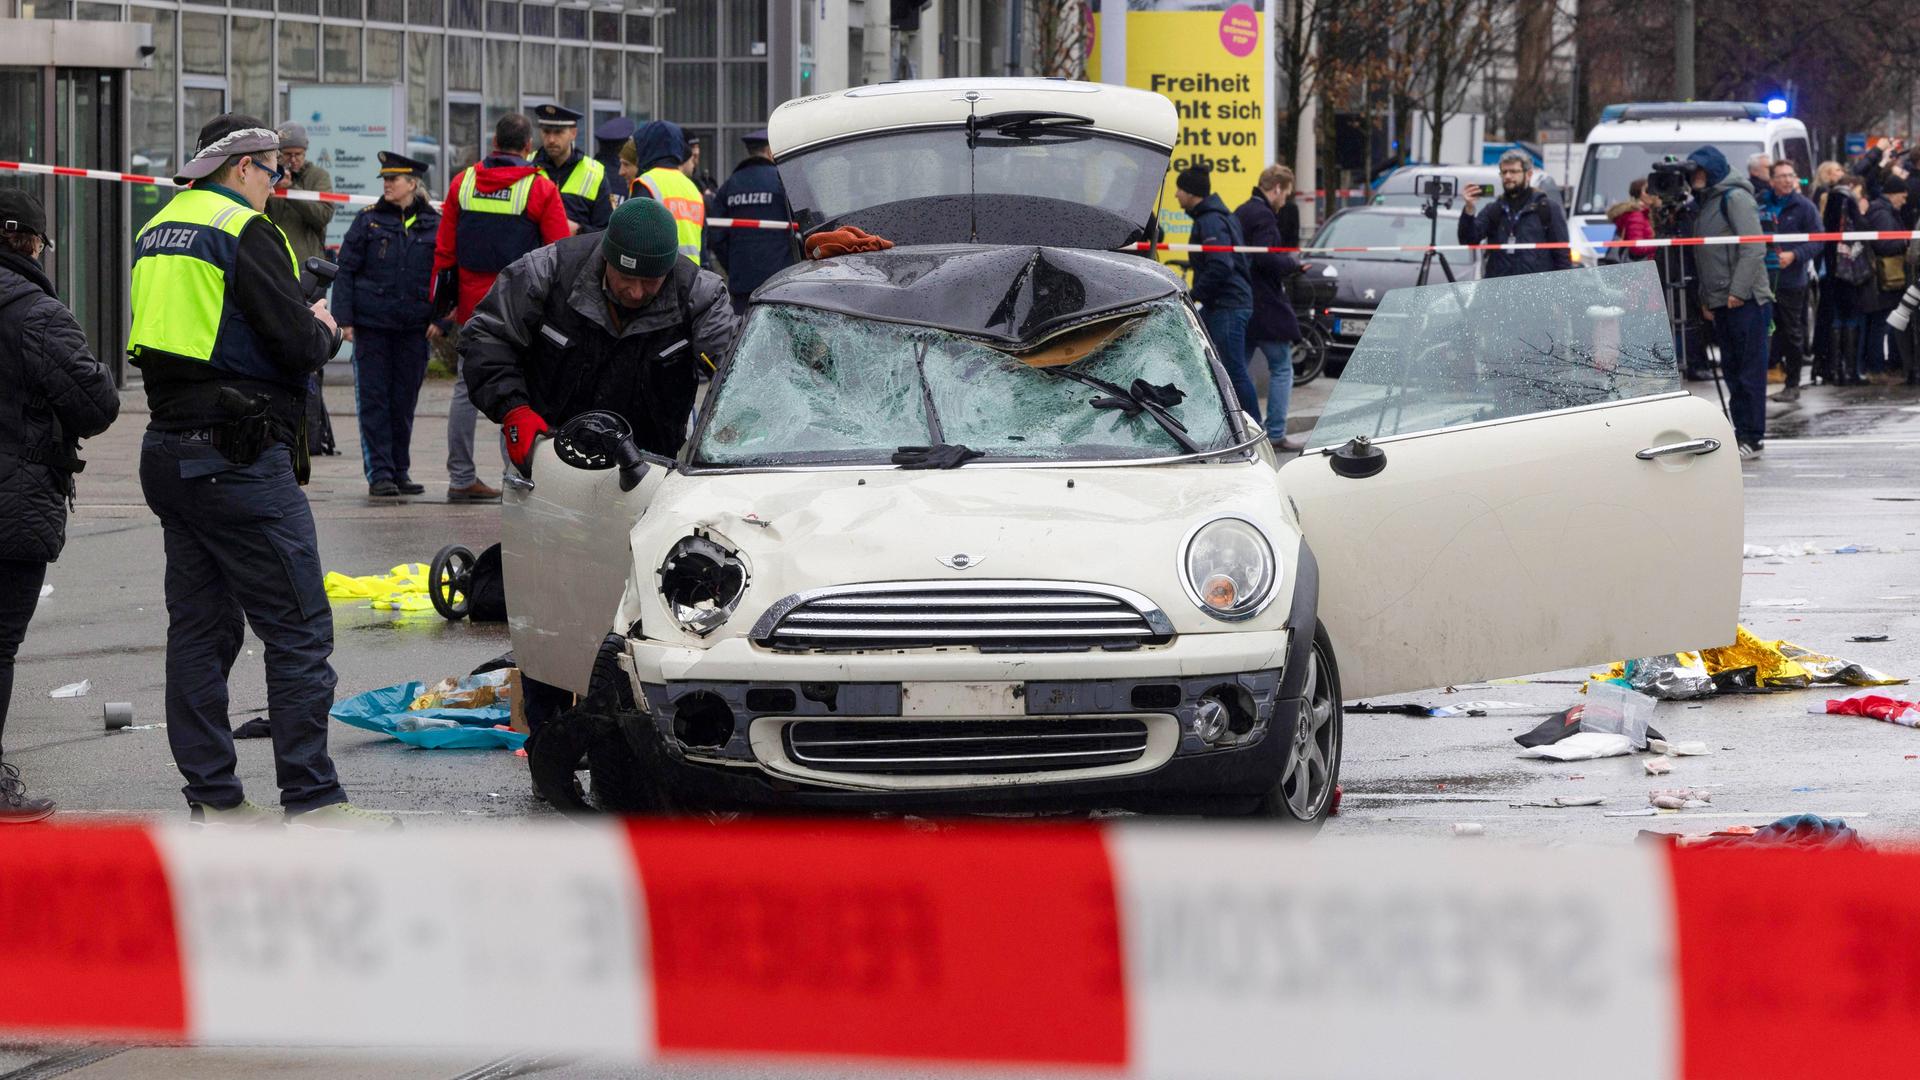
(1010, 296)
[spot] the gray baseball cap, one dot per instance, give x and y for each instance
(227, 135)
(293, 137)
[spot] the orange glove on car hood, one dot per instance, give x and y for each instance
(846, 240)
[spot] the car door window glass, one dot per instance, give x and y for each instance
(1445, 355)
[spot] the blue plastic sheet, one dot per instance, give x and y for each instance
(383, 710)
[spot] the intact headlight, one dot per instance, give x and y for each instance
(702, 583)
(1229, 568)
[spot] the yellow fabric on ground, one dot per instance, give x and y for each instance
(394, 590)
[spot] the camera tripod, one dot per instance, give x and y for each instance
(1674, 282)
(1431, 208)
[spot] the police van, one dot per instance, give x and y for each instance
(1630, 139)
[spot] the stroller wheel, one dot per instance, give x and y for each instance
(449, 577)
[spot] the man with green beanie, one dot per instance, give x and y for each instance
(613, 321)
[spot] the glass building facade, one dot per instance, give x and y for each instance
(464, 63)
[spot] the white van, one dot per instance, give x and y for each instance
(1630, 139)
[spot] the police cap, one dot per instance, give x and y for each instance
(392, 164)
(555, 116)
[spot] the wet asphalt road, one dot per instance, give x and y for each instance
(1840, 468)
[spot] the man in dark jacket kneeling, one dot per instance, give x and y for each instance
(612, 321)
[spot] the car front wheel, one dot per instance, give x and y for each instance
(1304, 794)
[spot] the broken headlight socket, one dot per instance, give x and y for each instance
(1225, 715)
(1228, 569)
(701, 582)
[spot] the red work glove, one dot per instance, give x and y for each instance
(522, 426)
(845, 240)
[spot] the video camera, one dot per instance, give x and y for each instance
(1671, 180)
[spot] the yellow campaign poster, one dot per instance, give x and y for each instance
(1211, 63)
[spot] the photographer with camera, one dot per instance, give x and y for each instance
(1734, 294)
(1521, 215)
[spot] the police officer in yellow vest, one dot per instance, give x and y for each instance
(226, 342)
(582, 180)
(661, 146)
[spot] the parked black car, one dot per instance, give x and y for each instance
(1362, 278)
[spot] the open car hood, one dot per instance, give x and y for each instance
(990, 161)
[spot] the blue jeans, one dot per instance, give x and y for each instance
(1228, 329)
(241, 551)
(1279, 356)
(1742, 334)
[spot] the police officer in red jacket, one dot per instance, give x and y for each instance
(495, 212)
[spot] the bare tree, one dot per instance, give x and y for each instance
(1060, 38)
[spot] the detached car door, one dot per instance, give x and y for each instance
(566, 554)
(1538, 490)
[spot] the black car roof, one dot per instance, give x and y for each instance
(1009, 295)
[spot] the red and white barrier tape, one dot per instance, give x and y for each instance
(1148, 950)
(1551, 245)
(311, 196)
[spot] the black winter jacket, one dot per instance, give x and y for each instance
(1881, 216)
(546, 337)
(1220, 279)
(386, 268)
(53, 393)
(1273, 317)
(751, 256)
(1534, 220)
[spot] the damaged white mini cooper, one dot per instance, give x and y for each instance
(975, 522)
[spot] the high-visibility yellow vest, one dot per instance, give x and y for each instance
(682, 199)
(493, 228)
(584, 181)
(181, 259)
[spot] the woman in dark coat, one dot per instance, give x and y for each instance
(53, 393)
(1883, 214)
(380, 301)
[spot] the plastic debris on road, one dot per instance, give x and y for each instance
(1488, 708)
(46, 591)
(1801, 550)
(1615, 709)
(1582, 746)
(1561, 802)
(1867, 638)
(386, 711)
(1469, 828)
(72, 690)
(1873, 706)
(1677, 749)
(1673, 677)
(1657, 766)
(391, 591)
(1679, 799)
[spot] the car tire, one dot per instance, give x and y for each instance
(1304, 794)
(1309, 353)
(618, 777)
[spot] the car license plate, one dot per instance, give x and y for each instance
(1350, 327)
(957, 699)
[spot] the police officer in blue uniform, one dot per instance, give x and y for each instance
(583, 181)
(381, 300)
(751, 256)
(226, 341)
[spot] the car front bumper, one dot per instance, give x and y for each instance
(957, 698)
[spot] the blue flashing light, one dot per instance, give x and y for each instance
(1776, 106)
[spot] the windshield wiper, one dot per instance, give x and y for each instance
(1141, 397)
(1022, 124)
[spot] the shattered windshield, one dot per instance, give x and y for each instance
(1444, 355)
(816, 387)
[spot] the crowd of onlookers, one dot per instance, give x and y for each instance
(1816, 309)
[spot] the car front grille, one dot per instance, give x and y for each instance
(996, 616)
(959, 747)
